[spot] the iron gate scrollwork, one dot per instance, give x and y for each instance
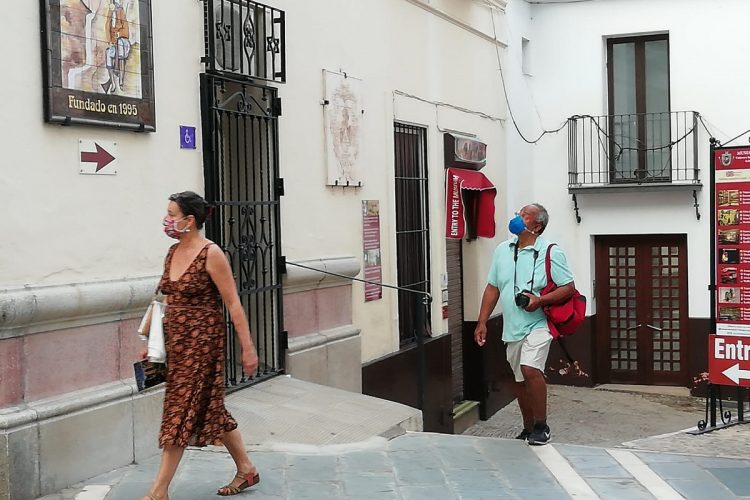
(240, 137)
(245, 38)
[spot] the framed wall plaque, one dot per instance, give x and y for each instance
(98, 63)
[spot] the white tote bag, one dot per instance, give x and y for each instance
(157, 353)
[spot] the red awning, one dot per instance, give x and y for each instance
(470, 198)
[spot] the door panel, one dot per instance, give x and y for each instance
(621, 309)
(241, 172)
(668, 310)
(642, 309)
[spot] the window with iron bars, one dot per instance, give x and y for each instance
(412, 225)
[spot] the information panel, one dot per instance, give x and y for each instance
(732, 240)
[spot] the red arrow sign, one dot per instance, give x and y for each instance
(729, 360)
(101, 157)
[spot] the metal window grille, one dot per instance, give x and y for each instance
(241, 152)
(245, 38)
(412, 224)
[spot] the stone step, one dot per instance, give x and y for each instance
(287, 410)
(465, 414)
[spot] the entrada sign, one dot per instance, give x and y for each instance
(98, 63)
(729, 360)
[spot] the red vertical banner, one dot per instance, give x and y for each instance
(371, 247)
(455, 224)
(732, 240)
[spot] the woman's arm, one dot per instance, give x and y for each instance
(218, 268)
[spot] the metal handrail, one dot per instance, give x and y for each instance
(420, 321)
(369, 282)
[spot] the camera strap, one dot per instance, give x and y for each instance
(515, 269)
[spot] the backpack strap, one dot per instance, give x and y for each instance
(548, 263)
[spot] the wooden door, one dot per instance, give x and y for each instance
(642, 321)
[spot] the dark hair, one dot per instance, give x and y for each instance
(191, 203)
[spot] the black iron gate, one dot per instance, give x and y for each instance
(241, 151)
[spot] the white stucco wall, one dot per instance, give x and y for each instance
(63, 227)
(69, 228)
(517, 25)
(568, 44)
(391, 45)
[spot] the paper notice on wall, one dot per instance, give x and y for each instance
(371, 246)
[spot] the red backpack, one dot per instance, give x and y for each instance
(564, 318)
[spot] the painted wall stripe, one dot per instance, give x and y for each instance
(644, 475)
(568, 478)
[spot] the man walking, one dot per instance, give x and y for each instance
(517, 277)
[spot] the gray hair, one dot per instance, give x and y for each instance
(542, 217)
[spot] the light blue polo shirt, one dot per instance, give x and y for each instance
(518, 323)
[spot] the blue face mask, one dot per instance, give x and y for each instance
(516, 225)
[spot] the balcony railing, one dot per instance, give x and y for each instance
(632, 150)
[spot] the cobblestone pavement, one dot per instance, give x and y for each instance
(596, 417)
(428, 466)
(643, 421)
(641, 452)
(731, 442)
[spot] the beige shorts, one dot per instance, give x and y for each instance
(531, 351)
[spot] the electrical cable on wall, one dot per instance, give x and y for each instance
(705, 127)
(619, 147)
(735, 138)
(450, 106)
(713, 135)
(507, 100)
(640, 149)
(518, 61)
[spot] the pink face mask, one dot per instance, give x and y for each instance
(170, 228)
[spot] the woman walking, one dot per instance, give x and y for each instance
(196, 273)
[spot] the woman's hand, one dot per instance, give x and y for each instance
(142, 353)
(249, 361)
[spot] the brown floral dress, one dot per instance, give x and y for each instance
(194, 334)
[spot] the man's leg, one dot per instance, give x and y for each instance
(533, 359)
(536, 393)
(525, 406)
(513, 353)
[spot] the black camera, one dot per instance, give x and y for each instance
(522, 300)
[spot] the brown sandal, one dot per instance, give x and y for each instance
(248, 480)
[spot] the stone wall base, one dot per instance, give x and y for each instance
(331, 357)
(50, 444)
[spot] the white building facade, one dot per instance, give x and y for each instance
(638, 174)
(83, 246)
(320, 131)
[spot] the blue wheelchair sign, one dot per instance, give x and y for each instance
(187, 137)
